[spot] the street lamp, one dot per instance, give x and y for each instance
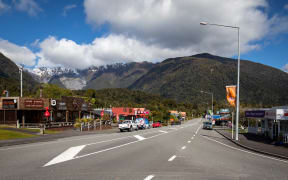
(212, 98)
(238, 72)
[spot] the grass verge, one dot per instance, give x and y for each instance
(6, 134)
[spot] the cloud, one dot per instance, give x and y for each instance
(285, 68)
(67, 8)
(18, 54)
(29, 6)
(286, 6)
(102, 51)
(3, 7)
(175, 24)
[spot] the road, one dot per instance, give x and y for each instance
(180, 152)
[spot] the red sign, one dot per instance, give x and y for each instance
(47, 114)
(102, 113)
(285, 114)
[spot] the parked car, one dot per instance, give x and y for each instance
(207, 125)
(128, 125)
(156, 124)
(142, 123)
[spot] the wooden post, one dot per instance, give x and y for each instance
(67, 113)
(23, 119)
(79, 114)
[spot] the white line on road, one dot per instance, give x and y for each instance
(172, 158)
(244, 150)
(163, 131)
(140, 138)
(192, 137)
(66, 155)
(198, 129)
(184, 147)
(149, 177)
(189, 141)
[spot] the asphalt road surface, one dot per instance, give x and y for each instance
(177, 152)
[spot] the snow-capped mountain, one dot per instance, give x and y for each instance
(95, 77)
(44, 74)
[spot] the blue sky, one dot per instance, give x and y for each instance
(78, 34)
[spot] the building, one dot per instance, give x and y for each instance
(122, 113)
(272, 122)
(28, 111)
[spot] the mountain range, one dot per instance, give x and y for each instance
(181, 78)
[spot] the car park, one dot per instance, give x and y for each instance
(128, 125)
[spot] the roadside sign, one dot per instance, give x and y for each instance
(47, 114)
(53, 102)
(102, 113)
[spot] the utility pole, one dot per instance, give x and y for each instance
(21, 80)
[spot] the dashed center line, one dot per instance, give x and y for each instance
(172, 158)
(189, 141)
(149, 177)
(184, 147)
(140, 138)
(192, 137)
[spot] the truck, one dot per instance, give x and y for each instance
(127, 125)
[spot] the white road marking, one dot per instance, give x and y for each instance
(245, 150)
(172, 158)
(163, 131)
(192, 137)
(172, 128)
(189, 141)
(184, 147)
(198, 129)
(66, 155)
(115, 147)
(140, 138)
(149, 177)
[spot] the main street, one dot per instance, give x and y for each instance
(177, 152)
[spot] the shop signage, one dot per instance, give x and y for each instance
(282, 114)
(9, 104)
(270, 114)
(33, 103)
(62, 106)
(255, 114)
(224, 111)
(84, 107)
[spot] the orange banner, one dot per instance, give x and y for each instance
(231, 95)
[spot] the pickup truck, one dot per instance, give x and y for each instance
(128, 125)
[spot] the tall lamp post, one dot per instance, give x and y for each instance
(212, 99)
(238, 72)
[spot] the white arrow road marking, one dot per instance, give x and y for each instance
(172, 158)
(66, 155)
(140, 138)
(163, 131)
(149, 177)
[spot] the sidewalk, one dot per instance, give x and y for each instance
(50, 137)
(258, 144)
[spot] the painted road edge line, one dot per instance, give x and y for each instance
(163, 131)
(184, 147)
(140, 138)
(188, 141)
(66, 155)
(172, 158)
(149, 177)
(245, 150)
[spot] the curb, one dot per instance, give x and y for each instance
(252, 149)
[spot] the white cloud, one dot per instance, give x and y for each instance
(29, 6)
(285, 68)
(286, 6)
(175, 24)
(3, 7)
(102, 51)
(67, 8)
(18, 54)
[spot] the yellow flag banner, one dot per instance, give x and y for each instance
(231, 95)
